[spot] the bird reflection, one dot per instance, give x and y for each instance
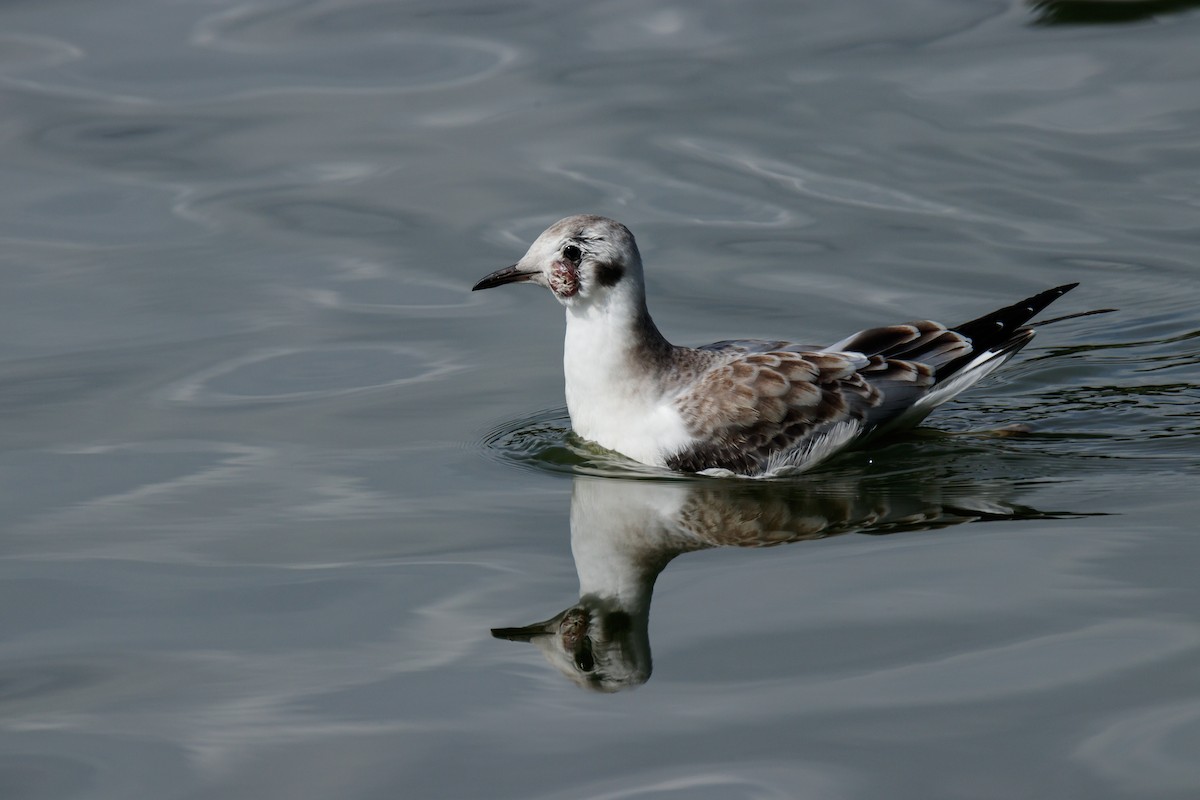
(625, 532)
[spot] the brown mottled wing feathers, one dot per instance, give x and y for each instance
(767, 404)
(761, 407)
(921, 340)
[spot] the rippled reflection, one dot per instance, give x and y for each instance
(625, 532)
(1105, 12)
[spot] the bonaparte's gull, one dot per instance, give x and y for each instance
(746, 406)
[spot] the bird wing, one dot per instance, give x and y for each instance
(761, 412)
(749, 346)
(770, 405)
(758, 412)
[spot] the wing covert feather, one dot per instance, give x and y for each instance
(764, 407)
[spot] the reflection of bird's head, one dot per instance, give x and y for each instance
(595, 644)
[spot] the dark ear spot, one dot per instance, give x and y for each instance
(617, 623)
(608, 274)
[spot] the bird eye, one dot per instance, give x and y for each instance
(573, 254)
(584, 658)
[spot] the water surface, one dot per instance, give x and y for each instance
(271, 473)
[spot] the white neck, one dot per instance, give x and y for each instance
(613, 360)
(608, 331)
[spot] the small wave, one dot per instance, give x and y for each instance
(544, 441)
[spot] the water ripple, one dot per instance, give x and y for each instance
(544, 441)
(249, 50)
(20, 51)
(105, 212)
(1122, 109)
(1148, 751)
(815, 184)
(855, 192)
(765, 780)
(625, 184)
(284, 375)
(366, 287)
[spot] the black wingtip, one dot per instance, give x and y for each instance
(1000, 324)
(1002, 329)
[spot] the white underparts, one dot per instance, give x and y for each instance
(612, 398)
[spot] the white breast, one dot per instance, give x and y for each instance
(614, 401)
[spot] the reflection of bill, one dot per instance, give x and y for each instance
(623, 533)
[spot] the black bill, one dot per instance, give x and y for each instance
(500, 277)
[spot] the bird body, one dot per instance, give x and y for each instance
(748, 407)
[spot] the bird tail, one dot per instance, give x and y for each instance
(978, 349)
(1000, 334)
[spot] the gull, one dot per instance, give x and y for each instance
(745, 407)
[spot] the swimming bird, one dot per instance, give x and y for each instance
(745, 406)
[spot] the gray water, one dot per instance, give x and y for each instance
(270, 472)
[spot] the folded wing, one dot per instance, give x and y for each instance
(771, 406)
